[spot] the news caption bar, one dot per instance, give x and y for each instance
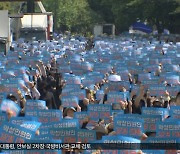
(89, 146)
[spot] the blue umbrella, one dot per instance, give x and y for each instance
(142, 27)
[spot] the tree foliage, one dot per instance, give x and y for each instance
(73, 15)
(80, 15)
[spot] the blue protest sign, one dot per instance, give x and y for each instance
(154, 151)
(8, 105)
(71, 87)
(35, 104)
(157, 90)
(148, 83)
(81, 94)
(11, 87)
(114, 97)
(70, 101)
(135, 89)
(99, 111)
(116, 86)
(11, 133)
(154, 61)
(86, 136)
(2, 95)
(129, 116)
(81, 116)
(117, 112)
(21, 120)
(150, 122)
(67, 135)
(172, 79)
(43, 137)
(99, 94)
(73, 80)
(87, 66)
(175, 112)
(3, 118)
(152, 68)
(87, 82)
(65, 123)
(45, 116)
(119, 139)
(31, 125)
(166, 61)
(65, 69)
(164, 112)
(164, 140)
(168, 129)
(144, 76)
(173, 91)
(96, 77)
(128, 127)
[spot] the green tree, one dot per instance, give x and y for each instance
(155, 11)
(72, 15)
(4, 6)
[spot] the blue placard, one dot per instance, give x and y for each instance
(21, 120)
(81, 116)
(81, 94)
(175, 112)
(35, 104)
(3, 117)
(70, 101)
(173, 91)
(118, 85)
(11, 133)
(88, 81)
(45, 116)
(154, 151)
(150, 82)
(2, 95)
(168, 129)
(117, 112)
(11, 106)
(129, 127)
(73, 80)
(44, 132)
(71, 87)
(31, 125)
(164, 112)
(145, 76)
(65, 123)
(157, 90)
(86, 136)
(164, 140)
(99, 94)
(172, 79)
(150, 122)
(99, 111)
(44, 138)
(130, 116)
(119, 139)
(135, 89)
(67, 135)
(113, 97)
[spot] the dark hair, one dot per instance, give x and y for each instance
(48, 87)
(177, 96)
(28, 97)
(157, 105)
(11, 97)
(88, 91)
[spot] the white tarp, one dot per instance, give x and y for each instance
(4, 25)
(29, 21)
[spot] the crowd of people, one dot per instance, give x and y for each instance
(127, 73)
